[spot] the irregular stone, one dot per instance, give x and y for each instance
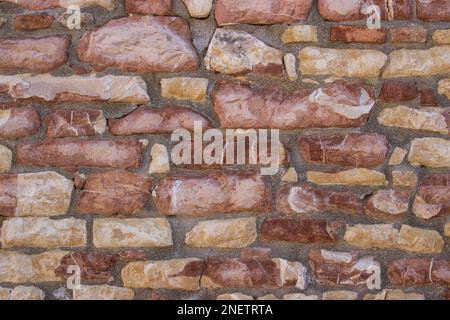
(340, 295)
(149, 7)
(404, 179)
(428, 98)
(430, 152)
(441, 36)
(47, 88)
(18, 267)
(355, 10)
(43, 233)
(234, 296)
(298, 296)
(229, 233)
(388, 204)
(35, 194)
(114, 193)
(355, 63)
(341, 268)
(408, 34)
(315, 231)
(102, 292)
(184, 88)
(433, 196)
(263, 12)
(385, 236)
(79, 180)
(218, 192)
(418, 63)
(447, 229)
(160, 159)
(237, 52)
(425, 119)
(351, 177)
(300, 33)
(52, 4)
(2, 21)
(18, 122)
(413, 272)
(167, 119)
(290, 175)
(222, 272)
(268, 297)
(34, 54)
(33, 21)
(339, 104)
(398, 91)
(305, 199)
(22, 293)
(394, 295)
(289, 65)
(74, 123)
(140, 44)
(397, 157)
(86, 20)
(352, 150)
(444, 87)
(433, 10)
(81, 153)
(198, 8)
(5, 159)
(178, 274)
(132, 233)
(361, 34)
(94, 266)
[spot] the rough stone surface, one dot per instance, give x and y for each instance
(160, 159)
(34, 232)
(212, 193)
(433, 196)
(340, 104)
(441, 36)
(22, 293)
(229, 233)
(404, 179)
(33, 21)
(102, 292)
(433, 10)
(237, 52)
(198, 8)
(140, 44)
(74, 123)
(17, 122)
(132, 233)
(184, 88)
(340, 295)
(388, 203)
(398, 155)
(149, 7)
(35, 194)
(114, 193)
(5, 159)
(47, 88)
(412, 272)
(290, 66)
(389, 294)
(341, 62)
(408, 34)
(430, 152)
(418, 63)
(34, 54)
(52, 4)
(300, 33)
(398, 91)
(351, 177)
(444, 87)
(361, 34)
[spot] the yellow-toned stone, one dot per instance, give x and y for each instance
(179, 274)
(43, 233)
(234, 296)
(444, 87)
(160, 159)
(340, 295)
(341, 62)
(5, 159)
(300, 33)
(102, 292)
(385, 236)
(357, 176)
(418, 63)
(184, 88)
(404, 179)
(18, 267)
(447, 229)
(228, 233)
(132, 233)
(397, 156)
(268, 297)
(430, 152)
(290, 175)
(441, 36)
(394, 295)
(198, 8)
(289, 65)
(22, 293)
(426, 119)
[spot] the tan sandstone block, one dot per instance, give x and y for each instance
(5, 159)
(441, 36)
(184, 88)
(430, 152)
(397, 156)
(102, 292)
(359, 176)
(444, 87)
(160, 159)
(300, 33)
